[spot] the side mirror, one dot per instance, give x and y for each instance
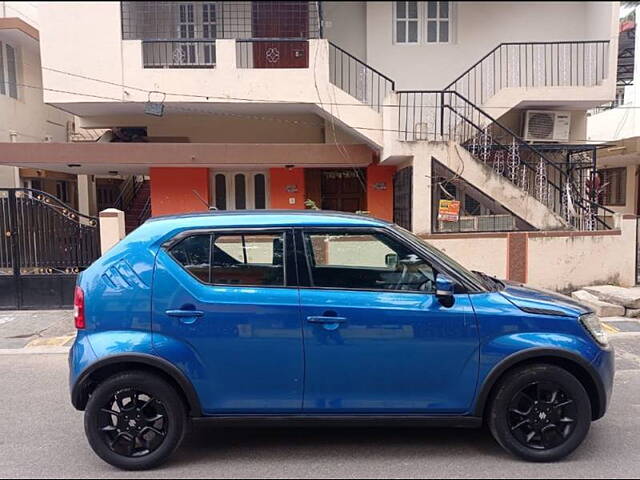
(445, 288)
(391, 260)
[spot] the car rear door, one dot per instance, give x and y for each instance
(226, 311)
(377, 340)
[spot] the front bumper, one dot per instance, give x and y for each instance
(604, 366)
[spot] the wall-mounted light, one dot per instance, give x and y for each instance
(73, 165)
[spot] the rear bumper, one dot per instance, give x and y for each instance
(81, 355)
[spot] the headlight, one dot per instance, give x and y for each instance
(592, 323)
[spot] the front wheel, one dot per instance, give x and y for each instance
(540, 413)
(135, 420)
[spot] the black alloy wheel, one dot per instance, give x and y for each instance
(135, 420)
(539, 412)
(133, 423)
(542, 415)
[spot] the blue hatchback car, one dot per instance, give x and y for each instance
(318, 316)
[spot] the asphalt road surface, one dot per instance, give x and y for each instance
(41, 435)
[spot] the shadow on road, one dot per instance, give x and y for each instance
(210, 443)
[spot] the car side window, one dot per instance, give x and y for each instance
(193, 254)
(233, 259)
(365, 261)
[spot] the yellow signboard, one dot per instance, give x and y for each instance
(449, 210)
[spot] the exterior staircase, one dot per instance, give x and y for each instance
(138, 210)
(135, 201)
(518, 175)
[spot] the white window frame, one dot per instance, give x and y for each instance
(249, 183)
(406, 20)
(439, 20)
(5, 88)
(15, 71)
(3, 84)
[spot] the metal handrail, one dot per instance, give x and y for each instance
(358, 79)
(522, 144)
(128, 192)
(145, 213)
(393, 83)
(496, 48)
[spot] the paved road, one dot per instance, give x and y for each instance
(42, 436)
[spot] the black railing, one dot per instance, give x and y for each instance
(357, 78)
(534, 64)
(128, 191)
(272, 53)
(178, 53)
(561, 187)
(215, 20)
(145, 214)
(43, 235)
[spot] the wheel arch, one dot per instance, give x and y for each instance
(569, 361)
(109, 366)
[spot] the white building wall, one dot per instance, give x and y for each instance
(26, 118)
(478, 27)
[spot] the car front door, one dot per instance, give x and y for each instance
(377, 339)
(226, 310)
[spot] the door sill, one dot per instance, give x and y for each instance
(382, 420)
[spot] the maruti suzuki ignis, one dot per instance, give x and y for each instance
(322, 317)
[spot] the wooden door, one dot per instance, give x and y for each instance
(343, 190)
(280, 20)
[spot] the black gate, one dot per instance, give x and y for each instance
(44, 244)
(402, 197)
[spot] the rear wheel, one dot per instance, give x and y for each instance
(540, 413)
(135, 420)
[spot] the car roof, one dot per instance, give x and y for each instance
(267, 218)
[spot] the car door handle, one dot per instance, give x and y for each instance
(185, 313)
(321, 319)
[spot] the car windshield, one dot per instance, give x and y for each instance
(444, 258)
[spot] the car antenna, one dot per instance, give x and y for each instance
(209, 207)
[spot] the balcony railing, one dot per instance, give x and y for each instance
(178, 54)
(534, 64)
(216, 20)
(357, 78)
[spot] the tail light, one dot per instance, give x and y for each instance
(78, 308)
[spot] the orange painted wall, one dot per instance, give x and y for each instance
(172, 189)
(380, 202)
(279, 178)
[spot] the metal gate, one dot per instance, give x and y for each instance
(44, 244)
(402, 197)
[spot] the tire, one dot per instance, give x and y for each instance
(553, 426)
(135, 420)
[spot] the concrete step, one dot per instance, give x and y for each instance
(627, 297)
(602, 309)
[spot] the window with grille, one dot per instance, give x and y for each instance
(3, 90)
(407, 22)
(8, 70)
(438, 22)
(614, 186)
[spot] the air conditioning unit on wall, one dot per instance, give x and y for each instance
(547, 126)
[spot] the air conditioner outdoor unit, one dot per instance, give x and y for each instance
(547, 126)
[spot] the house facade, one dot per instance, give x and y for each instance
(618, 123)
(398, 109)
(24, 117)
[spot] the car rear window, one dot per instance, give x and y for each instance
(233, 259)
